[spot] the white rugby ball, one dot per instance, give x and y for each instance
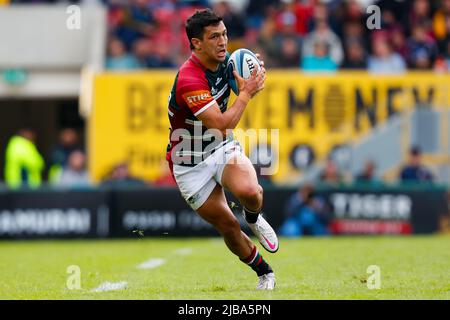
(244, 62)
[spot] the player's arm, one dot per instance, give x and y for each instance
(213, 118)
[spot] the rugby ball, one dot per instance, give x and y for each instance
(244, 62)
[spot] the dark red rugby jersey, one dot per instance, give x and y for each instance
(195, 90)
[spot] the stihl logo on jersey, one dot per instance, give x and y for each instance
(196, 98)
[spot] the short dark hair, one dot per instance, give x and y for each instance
(198, 21)
(415, 151)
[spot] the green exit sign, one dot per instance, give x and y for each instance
(14, 76)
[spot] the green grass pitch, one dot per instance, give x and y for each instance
(415, 267)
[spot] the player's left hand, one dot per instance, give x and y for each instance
(263, 70)
(259, 58)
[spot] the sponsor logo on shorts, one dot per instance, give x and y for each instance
(192, 200)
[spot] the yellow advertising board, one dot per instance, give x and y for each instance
(129, 119)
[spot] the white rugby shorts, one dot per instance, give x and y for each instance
(197, 183)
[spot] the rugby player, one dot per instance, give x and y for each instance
(198, 114)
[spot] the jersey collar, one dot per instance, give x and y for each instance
(197, 61)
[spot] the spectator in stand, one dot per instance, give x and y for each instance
(267, 44)
(383, 60)
(164, 56)
(389, 22)
(352, 22)
(289, 54)
(400, 9)
(144, 52)
(354, 32)
(398, 43)
(134, 21)
(118, 58)
(355, 10)
(286, 40)
(321, 14)
(23, 162)
(286, 18)
(331, 174)
(420, 60)
(256, 12)
(422, 49)
(322, 33)
(420, 14)
(74, 174)
(414, 171)
(441, 65)
(235, 25)
(120, 176)
(68, 141)
(441, 21)
(355, 57)
(152, 55)
(304, 13)
(306, 213)
(394, 30)
(320, 60)
(446, 56)
(367, 176)
(445, 40)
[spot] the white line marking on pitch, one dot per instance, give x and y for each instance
(152, 263)
(110, 286)
(183, 251)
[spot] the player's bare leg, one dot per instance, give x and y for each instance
(217, 212)
(240, 178)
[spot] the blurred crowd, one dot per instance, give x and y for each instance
(312, 35)
(413, 171)
(308, 34)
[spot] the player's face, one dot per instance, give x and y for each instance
(215, 42)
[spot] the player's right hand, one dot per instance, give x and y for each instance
(252, 85)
